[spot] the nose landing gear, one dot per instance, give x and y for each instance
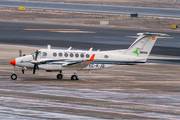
(14, 77)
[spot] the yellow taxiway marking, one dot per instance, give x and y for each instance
(158, 37)
(52, 29)
(62, 30)
(74, 31)
(140, 89)
(132, 36)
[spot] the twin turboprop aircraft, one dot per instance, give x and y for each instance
(55, 60)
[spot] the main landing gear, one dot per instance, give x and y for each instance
(73, 77)
(59, 76)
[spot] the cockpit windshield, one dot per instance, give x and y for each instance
(34, 54)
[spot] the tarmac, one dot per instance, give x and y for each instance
(83, 37)
(143, 91)
(92, 8)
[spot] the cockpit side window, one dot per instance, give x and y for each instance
(34, 54)
(44, 53)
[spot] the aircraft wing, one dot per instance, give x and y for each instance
(79, 64)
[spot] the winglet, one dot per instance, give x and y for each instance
(92, 57)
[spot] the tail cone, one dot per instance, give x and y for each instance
(13, 62)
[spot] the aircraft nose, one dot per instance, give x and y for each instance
(13, 62)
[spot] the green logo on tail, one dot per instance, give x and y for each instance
(136, 52)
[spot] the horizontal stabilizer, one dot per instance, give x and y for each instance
(152, 34)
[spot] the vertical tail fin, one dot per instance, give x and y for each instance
(142, 46)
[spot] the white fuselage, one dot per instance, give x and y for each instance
(56, 60)
(77, 60)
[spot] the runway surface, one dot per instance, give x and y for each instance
(91, 8)
(83, 37)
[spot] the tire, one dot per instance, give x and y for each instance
(74, 77)
(59, 76)
(13, 77)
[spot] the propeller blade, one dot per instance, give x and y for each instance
(22, 71)
(36, 55)
(33, 57)
(37, 66)
(20, 53)
(34, 70)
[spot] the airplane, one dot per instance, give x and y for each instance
(56, 60)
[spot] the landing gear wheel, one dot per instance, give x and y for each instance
(74, 77)
(59, 76)
(13, 76)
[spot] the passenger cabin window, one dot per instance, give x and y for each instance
(106, 56)
(66, 55)
(77, 55)
(54, 54)
(60, 54)
(44, 53)
(87, 56)
(82, 55)
(71, 55)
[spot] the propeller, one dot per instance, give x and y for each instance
(22, 71)
(20, 54)
(35, 63)
(36, 55)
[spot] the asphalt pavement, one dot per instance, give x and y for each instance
(83, 37)
(91, 8)
(139, 92)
